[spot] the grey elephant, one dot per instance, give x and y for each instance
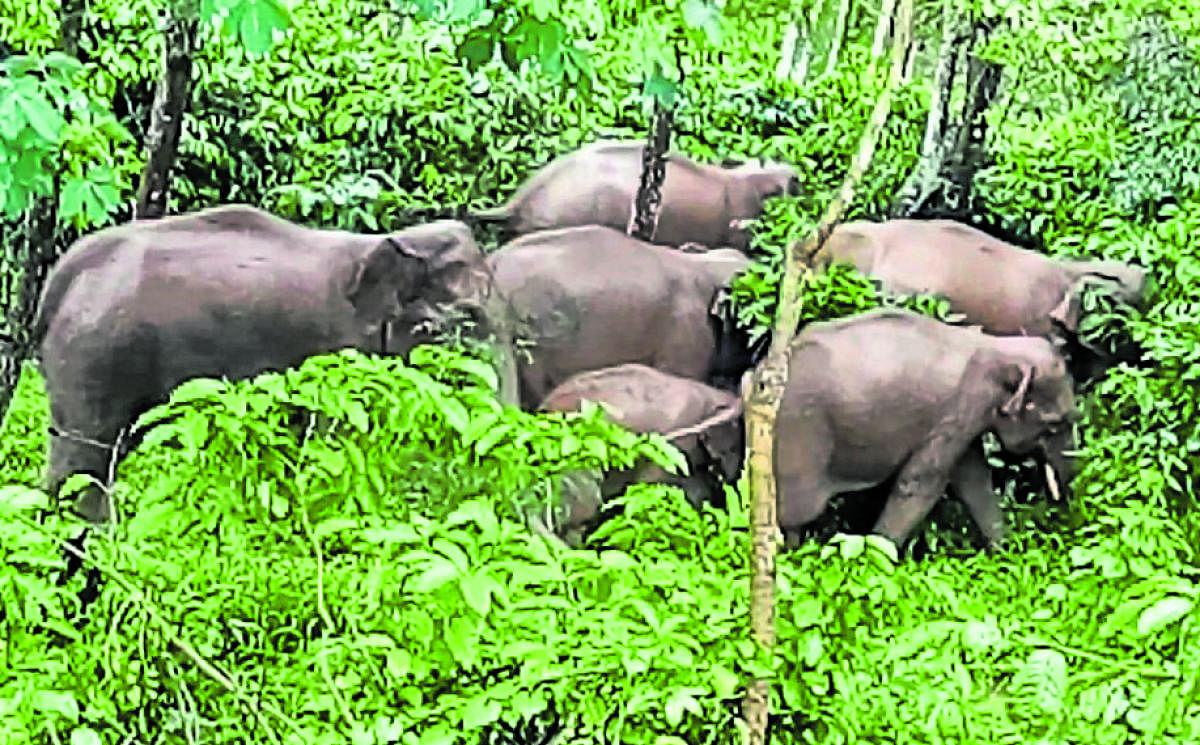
(1007, 290)
(595, 185)
(592, 297)
(132, 311)
(703, 422)
(894, 394)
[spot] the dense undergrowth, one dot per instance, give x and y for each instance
(406, 603)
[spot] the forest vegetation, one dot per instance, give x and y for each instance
(332, 554)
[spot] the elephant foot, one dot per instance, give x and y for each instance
(93, 505)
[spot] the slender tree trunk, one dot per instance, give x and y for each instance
(922, 182)
(799, 45)
(643, 219)
(839, 34)
(883, 28)
(763, 388)
(171, 98)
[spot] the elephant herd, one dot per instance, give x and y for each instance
(643, 328)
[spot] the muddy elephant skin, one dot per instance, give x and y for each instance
(891, 393)
(704, 423)
(591, 297)
(595, 185)
(132, 311)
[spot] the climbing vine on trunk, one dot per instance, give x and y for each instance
(654, 171)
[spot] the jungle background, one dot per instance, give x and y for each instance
(327, 555)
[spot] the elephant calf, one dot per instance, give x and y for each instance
(592, 297)
(132, 311)
(596, 184)
(893, 393)
(704, 423)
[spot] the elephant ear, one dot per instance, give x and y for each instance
(454, 267)
(1066, 313)
(375, 281)
(1014, 378)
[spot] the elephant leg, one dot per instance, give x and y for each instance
(924, 477)
(971, 481)
(76, 453)
(803, 450)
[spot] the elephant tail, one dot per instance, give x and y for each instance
(723, 415)
(503, 213)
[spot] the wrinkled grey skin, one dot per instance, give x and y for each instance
(1009, 291)
(891, 392)
(595, 185)
(704, 423)
(132, 311)
(592, 297)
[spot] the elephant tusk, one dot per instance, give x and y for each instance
(1052, 481)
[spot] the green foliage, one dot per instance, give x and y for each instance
(341, 539)
(35, 96)
(838, 292)
(253, 23)
(299, 440)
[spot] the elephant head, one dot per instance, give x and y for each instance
(1129, 285)
(449, 279)
(1037, 406)
(749, 187)
(445, 269)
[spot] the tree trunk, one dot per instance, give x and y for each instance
(953, 151)
(799, 42)
(883, 28)
(839, 33)
(922, 182)
(648, 198)
(763, 388)
(171, 98)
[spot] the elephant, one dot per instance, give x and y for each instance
(702, 204)
(591, 297)
(132, 311)
(1009, 291)
(1005, 289)
(892, 394)
(703, 422)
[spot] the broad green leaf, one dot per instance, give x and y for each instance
(40, 115)
(543, 9)
(464, 10)
(1046, 673)
(725, 681)
(85, 736)
(456, 414)
(480, 711)
(72, 198)
(477, 590)
(57, 702)
(1162, 614)
(439, 572)
(258, 22)
(14, 499)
